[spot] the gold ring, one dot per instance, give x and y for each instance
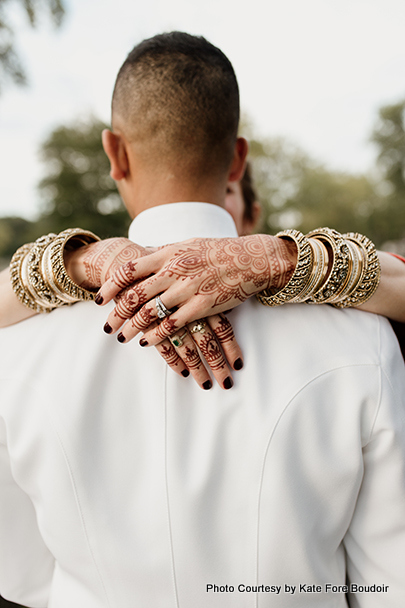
(177, 340)
(198, 327)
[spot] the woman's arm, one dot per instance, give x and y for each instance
(91, 265)
(389, 299)
(11, 310)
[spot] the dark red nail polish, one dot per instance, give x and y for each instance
(121, 338)
(143, 342)
(228, 382)
(99, 299)
(207, 385)
(238, 364)
(185, 373)
(107, 328)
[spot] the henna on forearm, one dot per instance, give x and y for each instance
(233, 269)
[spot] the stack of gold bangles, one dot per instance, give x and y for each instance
(332, 268)
(342, 270)
(38, 273)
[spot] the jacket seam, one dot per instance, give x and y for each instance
(300, 390)
(80, 510)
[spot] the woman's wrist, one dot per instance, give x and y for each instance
(281, 255)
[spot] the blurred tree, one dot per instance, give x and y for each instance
(14, 232)
(297, 192)
(77, 189)
(10, 64)
(389, 136)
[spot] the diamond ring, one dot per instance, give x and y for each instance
(161, 309)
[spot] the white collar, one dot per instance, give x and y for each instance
(179, 221)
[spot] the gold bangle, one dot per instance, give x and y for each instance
(38, 274)
(56, 266)
(358, 266)
(35, 282)
(369, 278)
(320, 268)
(301, 276)
(23, 294)
(341, 266)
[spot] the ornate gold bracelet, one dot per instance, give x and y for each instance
(38, 274)
(341, 266)
(25, 296)
(369, 278)
(54, 265)
(297, 285)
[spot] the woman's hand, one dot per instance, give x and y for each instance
(194, 279)
(91, 265)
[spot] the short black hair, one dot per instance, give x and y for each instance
(181, 92)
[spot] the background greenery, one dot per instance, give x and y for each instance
(294, 189)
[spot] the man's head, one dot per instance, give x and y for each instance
(176, 106)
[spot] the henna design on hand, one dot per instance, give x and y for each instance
(129, 301)
(191, 357)
(211, 351)
(144, 318)
(224, 331)
(105, 257)
(167, 327)
(124, 275)
(230, 269)
(125, 259)
(169, 354)
(96, 258)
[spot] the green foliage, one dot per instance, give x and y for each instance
(389, 136)
(297, 192)
(14, 232)
(77, 189)
(10, 64)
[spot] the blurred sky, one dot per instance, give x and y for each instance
(315, 71)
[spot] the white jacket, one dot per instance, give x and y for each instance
(123, 485)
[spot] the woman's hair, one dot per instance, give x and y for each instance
(248, 193)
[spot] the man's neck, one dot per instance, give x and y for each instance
(162, 190)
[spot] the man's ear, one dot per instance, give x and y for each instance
(239, 160)
(114, 147)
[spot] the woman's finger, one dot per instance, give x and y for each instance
(170, 355)
(143, 319)
(223, 331)
(126, 275)
(187, 350)
(135, 301)
(210, 348)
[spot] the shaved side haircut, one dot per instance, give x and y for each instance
(177, 95)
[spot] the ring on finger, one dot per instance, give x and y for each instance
(161, 309)
(177, 340)
(198, 327)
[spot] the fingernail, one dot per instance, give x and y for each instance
(121, 338)
(207, 385)
(185, 373)
(107, 328)
(228, 382)
(143, 342)
(238, 364)
(98, 299)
